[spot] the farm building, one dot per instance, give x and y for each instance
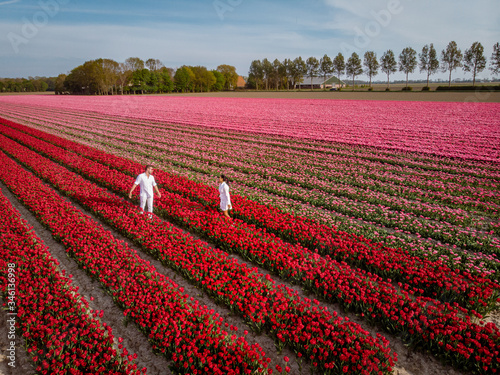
(320, 83)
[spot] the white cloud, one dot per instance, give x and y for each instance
(254, 30)
(9, 2)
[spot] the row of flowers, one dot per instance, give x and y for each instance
(434, 229)
(455, 258)
(191, 335)
(278, 163)
(371, 166)
(420, 127)
(435, 279)
(328, 341)
(445, 330)
(61, 333)
(453, 226)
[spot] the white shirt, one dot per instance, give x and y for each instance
(224, 193)
(146, 184)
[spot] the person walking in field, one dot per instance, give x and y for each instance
(147, 183)
(225, 198)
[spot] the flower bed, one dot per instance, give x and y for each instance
(55, 321)
(187, 333)
(453, 178)
(420, 321)
(433, 279)
(268, 307)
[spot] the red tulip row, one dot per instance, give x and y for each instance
(48, 312)
(187, 333)
(330, 343)
(434, 278)
(443, 329)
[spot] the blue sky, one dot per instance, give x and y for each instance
(48, 37)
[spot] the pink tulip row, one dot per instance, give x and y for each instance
(409, 126)
(261, 302)
(184, 331)
(438, 171)
(434, 278)
(381, 306)
(52, 317)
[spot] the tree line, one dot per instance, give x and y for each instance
(136, 76)
(288, 73)
(32, 84)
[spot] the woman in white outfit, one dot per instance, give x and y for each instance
(225, 199)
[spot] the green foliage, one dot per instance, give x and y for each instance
(426, 88)
(495, 59)
(451, 58)
(220, 81)
(388, 64)
(230, 76)
(256, 74)
(474, 60)
(407, 61)
(37, 84)
(371, 64)
(468, 88)
(353, 67)
(407, 88)
(326, 66)
(165, 83)
(429, 62)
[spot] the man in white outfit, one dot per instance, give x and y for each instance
(147, 182)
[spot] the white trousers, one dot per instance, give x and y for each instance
(224, 204)
(143, 199)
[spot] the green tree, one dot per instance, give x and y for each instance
(276, 78)
(165, 83)
(312, 65)
(183, 79)
(339, 65)
(154, 65)
(353, 67)
(451, 59)
(474, 60)
(407, 61)
(85, 79)
(268, 69)
(108, 71)
(325, 67)
(134, 63)
(256, 73)
(203, 78)
(141, 79)
(429, 62)
(220, 81)
(124, 76)
(283, 70)
(495, 59)
(298, 70)
(388, 64)
(371, 64)
(230, 76)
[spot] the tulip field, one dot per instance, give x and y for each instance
(361, 230)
